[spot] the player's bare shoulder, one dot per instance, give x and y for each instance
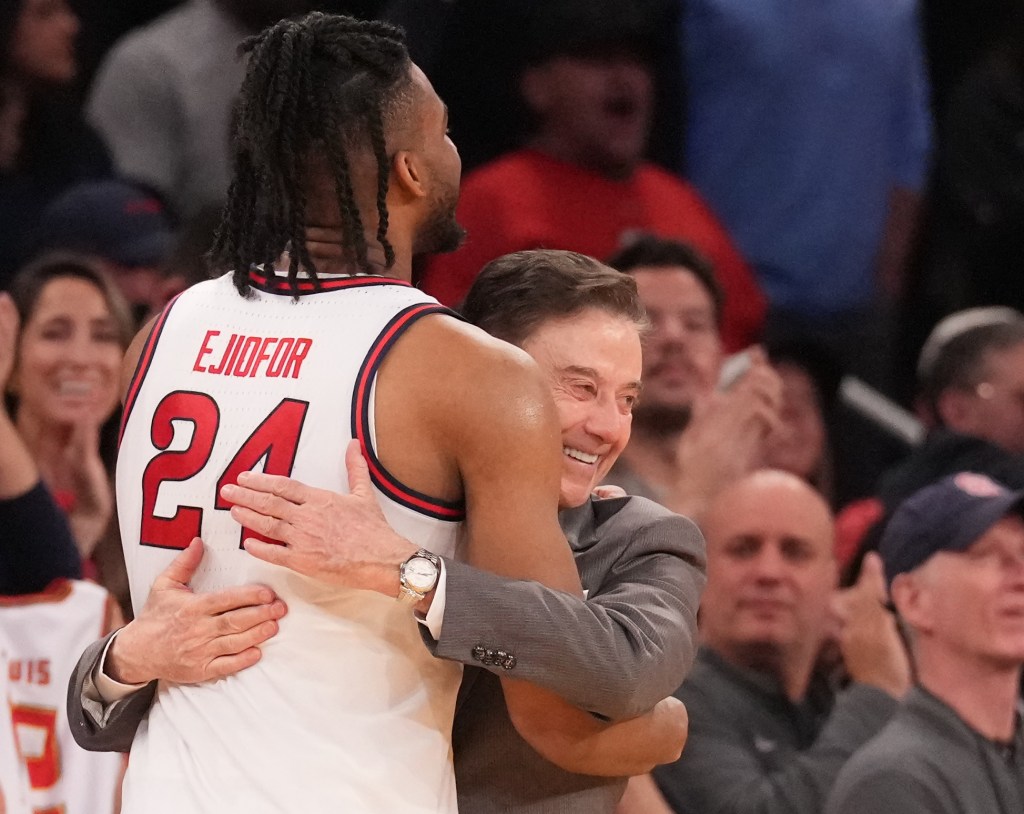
(454, 362)
(470, 390)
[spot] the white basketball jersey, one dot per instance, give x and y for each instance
(346, 711)
(46, 633)
(13, 776)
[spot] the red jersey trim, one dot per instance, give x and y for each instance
(275, 284)
(145, 360)
(56, 591)
(453, 511)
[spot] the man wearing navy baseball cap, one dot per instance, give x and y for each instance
(954, 560)
(123, 226)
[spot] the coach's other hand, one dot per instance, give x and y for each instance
(185, 637)
(339, 539)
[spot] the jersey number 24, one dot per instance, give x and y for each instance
(276, 439)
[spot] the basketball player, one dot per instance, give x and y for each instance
(341, 156)
(44, 632)
(616, 653)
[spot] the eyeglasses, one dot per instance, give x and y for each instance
(988, 391)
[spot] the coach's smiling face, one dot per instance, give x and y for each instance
(592, 361)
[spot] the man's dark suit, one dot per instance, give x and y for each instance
(617, 654)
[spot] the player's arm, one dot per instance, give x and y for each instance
(581, 743)
(507, 444)
(503, 434)
(635, 634)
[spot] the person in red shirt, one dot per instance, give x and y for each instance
(580, 182)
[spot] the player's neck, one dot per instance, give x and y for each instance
(327, 250)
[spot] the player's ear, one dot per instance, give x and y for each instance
(407, 174)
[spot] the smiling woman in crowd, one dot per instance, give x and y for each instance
(64, 387)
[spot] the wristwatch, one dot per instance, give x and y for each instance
(417, 576)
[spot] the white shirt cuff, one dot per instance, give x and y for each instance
(434, 619)
(107, 689)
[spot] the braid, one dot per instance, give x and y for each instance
(314, 86)
(352, 222)
(381, 154)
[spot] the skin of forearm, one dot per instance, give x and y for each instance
(577, 742)
(18, 472)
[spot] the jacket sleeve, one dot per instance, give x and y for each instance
(99, 727)
(617, 653)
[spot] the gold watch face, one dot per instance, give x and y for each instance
(420, 574)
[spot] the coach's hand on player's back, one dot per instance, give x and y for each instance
(185, 637)
(340, 539)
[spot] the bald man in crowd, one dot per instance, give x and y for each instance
(769, 730)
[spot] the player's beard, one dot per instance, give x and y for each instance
(441, 232)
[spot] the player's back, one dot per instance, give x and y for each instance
(346, 699)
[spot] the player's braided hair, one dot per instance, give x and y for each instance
(318, 85)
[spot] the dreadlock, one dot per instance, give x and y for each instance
(321, 84)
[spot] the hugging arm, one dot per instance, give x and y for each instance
(618, 653)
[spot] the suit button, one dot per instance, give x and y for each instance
(479, 653)
(506, 660)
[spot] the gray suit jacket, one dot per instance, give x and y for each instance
(617, 654)
(628, 646)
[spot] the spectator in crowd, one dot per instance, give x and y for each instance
(954, 558)
(124, 228)
(970, 241)
(473, 51)
(65, 382)
(809, 134)
(188, 261)
(45, 146)
(580, 182)
(690, 437)
(162, 97)
(44, 632)
(768, 732)
(971, 385)
(13, 776)
(800, 441)
(37, 543)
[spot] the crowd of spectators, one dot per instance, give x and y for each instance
(803, 193)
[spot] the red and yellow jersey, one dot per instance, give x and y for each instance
(45, 634)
